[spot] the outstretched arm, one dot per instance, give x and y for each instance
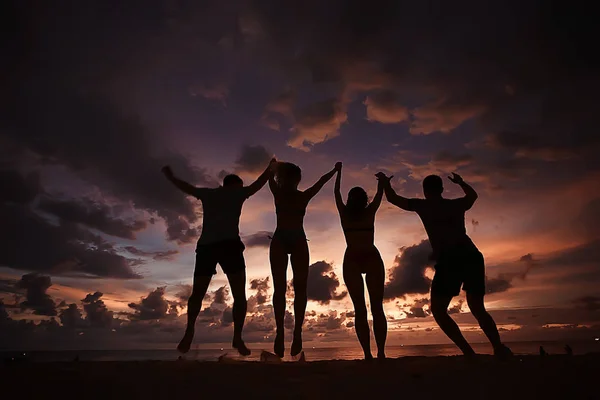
(391, 196)
(470, 193)
(374, 206)
(337, 190)
(181, 185)
(262, 179)
(314, 189)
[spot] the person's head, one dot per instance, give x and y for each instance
(433, 186)
(288, 175)
(232, 180)
(357, 200)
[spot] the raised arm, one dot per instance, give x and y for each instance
(314, 189)
(391, 196)
(262, 179)
(181, 185)
(470, 194)
(374, 206)
(337, 190)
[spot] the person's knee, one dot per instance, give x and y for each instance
(279, 295)
(360, 312)
(439, 310)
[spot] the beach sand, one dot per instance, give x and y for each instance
(524, 377)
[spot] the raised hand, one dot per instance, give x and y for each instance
(166, 170)
(456, 178)
(383, 177)
(338, 166)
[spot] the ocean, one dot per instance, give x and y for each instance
(311, 353)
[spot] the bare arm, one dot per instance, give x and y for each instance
(337, 191)
(181, 185)
(374, 206)
(314, 189)
(262, 179)
(470, 193)
(391, 196)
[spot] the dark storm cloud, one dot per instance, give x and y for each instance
(97, 315)
(153, 306)
(258, 239)
(407, 275)
(323, 283)
(17, 188)
(253, 159)
(221, 295)
(93, 215)
(71, 317)
(36, 298)
(155, 255)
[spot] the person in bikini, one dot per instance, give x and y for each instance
(289, 239)
(220, 243)
(458, 261)
(357, 217)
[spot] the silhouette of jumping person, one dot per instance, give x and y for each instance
(289, 239)
(220, 243)
(458, 261)
(357, 217)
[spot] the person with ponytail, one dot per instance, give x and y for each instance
(362, 257)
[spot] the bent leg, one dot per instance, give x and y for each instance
(300, 261)
(375, 282)
(439, 309)
(356, 288)
(279, 260)
(485, 320)
(199, 289)
(237, 282)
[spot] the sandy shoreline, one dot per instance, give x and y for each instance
(553, 377)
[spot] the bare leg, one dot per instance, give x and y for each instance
(194, 305)
(439, 308)
(375, 282)
(486, 322)
(356, 288)
(300, 261)
(279, 260)
(237, 282)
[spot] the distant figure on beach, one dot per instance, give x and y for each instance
(568, 350)
(458, 261)
(357, 217)
(220, 243)
(543, 352)
(289, 239)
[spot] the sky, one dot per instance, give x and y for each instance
(97, 248)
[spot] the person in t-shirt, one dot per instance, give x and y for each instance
(220, 243)
(458, 261)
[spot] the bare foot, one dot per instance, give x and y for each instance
(296, 345)
(240, 346)
(279, 346)
(186, 342)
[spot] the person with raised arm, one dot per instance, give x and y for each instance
(289, 239)
(220, 243)
(458, 261)
(357, 217)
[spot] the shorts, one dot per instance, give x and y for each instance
(289, 238)
(229, 254)
(464, 268)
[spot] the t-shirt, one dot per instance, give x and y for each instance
(444, 222)
(222, 208)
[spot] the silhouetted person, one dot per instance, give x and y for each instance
(568, 350)
(289, 239)
(220, 243)
(458, 261)
(362, 257)
(543, 352)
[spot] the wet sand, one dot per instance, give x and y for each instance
(524, 377)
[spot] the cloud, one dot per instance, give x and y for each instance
(221, 295)
(212, 91)
(261, 286)
(457, 308)
(253, 159)
(317, 123)
(407, 275)
(504, 281)
(323, 283)
(528, 145)
(590, 303)
(18, 189)
(71, 317)
(258, 239)
(36, 298)
(385, 107)
(153, 307)
(442, 116)
(155, 255)
(97, 315)
(93, 215)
